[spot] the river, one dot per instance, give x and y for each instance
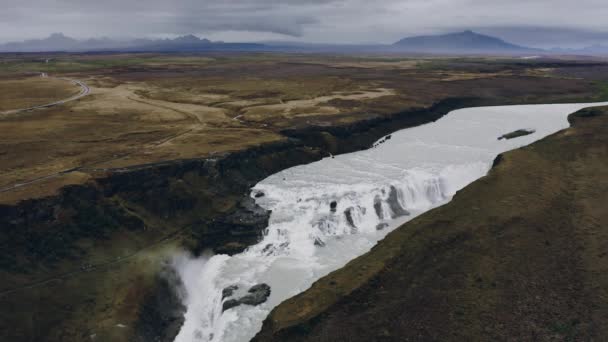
(327, 213)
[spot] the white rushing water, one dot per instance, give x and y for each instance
(415, 170)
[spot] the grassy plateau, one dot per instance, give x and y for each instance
(96, 194)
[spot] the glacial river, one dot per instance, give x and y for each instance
(327, 213)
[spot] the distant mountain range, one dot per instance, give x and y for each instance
(467, 42)
(59, 42)
(590, 50)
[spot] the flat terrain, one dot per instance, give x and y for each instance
(147, 108)
(518, 255)
(26, 92)
(84, 262)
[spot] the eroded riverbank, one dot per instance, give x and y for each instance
(104, 241)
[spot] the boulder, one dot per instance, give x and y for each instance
(381, 226)
(393, 203)
(229, 304)
(333, 206)
(227, 292)
(257, 295)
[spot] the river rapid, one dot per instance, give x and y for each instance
(326, 213)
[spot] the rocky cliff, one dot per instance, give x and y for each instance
(123, 218)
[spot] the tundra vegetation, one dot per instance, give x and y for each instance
(97, 194)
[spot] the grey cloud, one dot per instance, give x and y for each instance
(113, 17)
(292, 26)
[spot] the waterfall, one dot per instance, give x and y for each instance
(326, 213)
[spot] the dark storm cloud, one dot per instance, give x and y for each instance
(533, 22)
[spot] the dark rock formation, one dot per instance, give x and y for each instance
(499, 158)
(393, 203)
(381, 226)
(227, 292)
(162, 312)
(348, 213)
(258, 294)
(319, 243)
(333, 206)
(229, 304)
(516, 134)
(245, 225)
(378, 207)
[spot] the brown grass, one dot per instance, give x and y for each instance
(143, 111)
(33, 91)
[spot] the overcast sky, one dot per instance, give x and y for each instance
(542, 23)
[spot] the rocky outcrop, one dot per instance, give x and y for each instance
(516, 134)
(241, 228)
(227, 292)
(393, 203)
(257, 295)
(161, 314)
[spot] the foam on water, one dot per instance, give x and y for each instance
(326, 213)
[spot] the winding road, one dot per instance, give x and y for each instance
(84, 91)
